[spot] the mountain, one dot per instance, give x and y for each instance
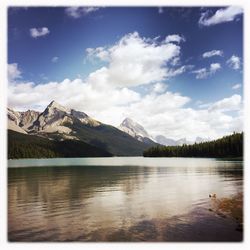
(56, 118)
(20, 121)
(27, 118)
(135, 130)
(183, 141)
(161, 139)
(59, 123)
(13, 121)
(23, 119)
(165, 141)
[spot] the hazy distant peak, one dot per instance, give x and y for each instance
(128, 121)
(133, 128)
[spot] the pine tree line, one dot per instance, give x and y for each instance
(228, 146)
(30, 146)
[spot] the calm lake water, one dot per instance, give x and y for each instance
(121, 199)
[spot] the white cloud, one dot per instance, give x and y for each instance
(135, 61)
(168, 114)
(175, 61)
(77, 94)
(223, 15)
(234, 62)
(178, 71)
(159, 87)
(77, 12)
(212, 53)
(227, 104)
(160, 112)
(106, 95)
(203, 73)
(237, 86)
(174, 38)
(13, 72)
(38, 32)
(214, 67)
(55, 59)
(98, 53)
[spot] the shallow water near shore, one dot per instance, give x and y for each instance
(121, 199)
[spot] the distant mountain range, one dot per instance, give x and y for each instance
(171, 142)
(57, 123)
(138, 131)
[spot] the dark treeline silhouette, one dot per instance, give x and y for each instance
(227, 146)
(30, 146)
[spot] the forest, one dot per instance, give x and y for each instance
(31, 146)
(225, 147)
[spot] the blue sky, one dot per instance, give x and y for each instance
(54, 50)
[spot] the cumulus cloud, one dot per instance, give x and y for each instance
(234, 62)
(39, 32)
(169, 115)
(13, 72)
(212, 53)
(203, 73)
(159, 87)
(160, 111)
(180, 70)
(145, 60)
(55, 59)
(214, 67)
(77, 12)
(111, 93)
(236, 86)
(223, 15)
(174, 38)
(77, 94)
(98, 53)
(227, 104)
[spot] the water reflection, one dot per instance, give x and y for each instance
(97, 203)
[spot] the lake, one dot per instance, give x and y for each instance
(121, 199)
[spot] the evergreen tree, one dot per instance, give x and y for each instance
(228, 146)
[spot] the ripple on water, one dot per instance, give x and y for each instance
(125, 203)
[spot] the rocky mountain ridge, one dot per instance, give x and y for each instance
(60, 123)
(51, 120)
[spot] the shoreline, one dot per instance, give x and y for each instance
(230, 208)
